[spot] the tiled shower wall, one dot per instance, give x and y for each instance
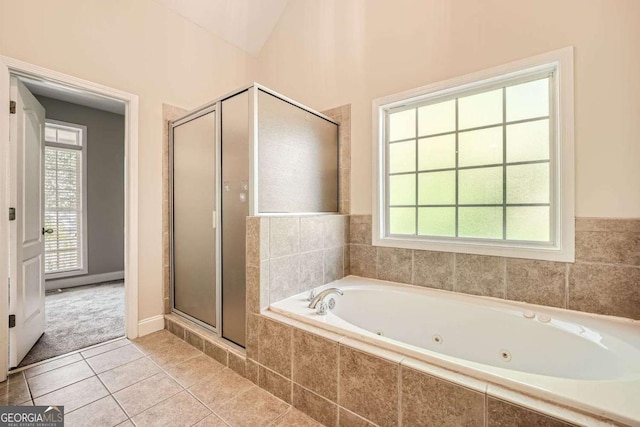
(605, 278)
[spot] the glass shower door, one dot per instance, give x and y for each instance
(193, 217)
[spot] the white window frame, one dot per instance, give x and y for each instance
(84, 261)
(560, 62)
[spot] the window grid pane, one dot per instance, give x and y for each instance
(425, 172)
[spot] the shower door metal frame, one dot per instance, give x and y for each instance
(210, 108)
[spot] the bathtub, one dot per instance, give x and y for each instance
(584, 361)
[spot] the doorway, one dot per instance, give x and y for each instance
(22, 193)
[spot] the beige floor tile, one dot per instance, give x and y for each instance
(145, 394)
(127, 423)
(252, 408)
(104, 413)
(295, 418)
(54, 364)
(114, 358)
(27, 403)
(194, 370)
(104, 348)
(58, 378)
(174, 353)
(179, 410)
(75, 395)
(155, 342)
(129, 374)
(219, 389)
(14, 390)
(212, 421)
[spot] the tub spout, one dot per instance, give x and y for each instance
(321, 296)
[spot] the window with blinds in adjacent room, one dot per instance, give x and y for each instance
(64, 184)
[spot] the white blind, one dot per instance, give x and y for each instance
(63, 200)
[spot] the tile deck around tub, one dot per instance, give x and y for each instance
(156, 380)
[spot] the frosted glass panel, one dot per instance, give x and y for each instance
(402, 189)
(437, 188)
(402, 157)
(437, 221)
(437, 118)
(528, 100)
(528, 223)
(194, 195)
(528, 141)
(402, 125)
(437, 152)
(480, 147)
(478, 110)
(480, 222)
(528, 183)
(480, 186)
(297, 159)
(402, 221)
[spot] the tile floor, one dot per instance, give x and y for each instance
(156, 380)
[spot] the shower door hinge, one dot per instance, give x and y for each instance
(12, 107)
(12, 321)
(12, 214)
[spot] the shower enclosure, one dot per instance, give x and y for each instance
(252, 152)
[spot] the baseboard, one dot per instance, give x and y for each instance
(150, 325)
(87, 279)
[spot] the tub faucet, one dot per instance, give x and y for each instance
(321, 296)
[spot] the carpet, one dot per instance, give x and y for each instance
(77, 318)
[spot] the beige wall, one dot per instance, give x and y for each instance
(351, 51)
(139, 47)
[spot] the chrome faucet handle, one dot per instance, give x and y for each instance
(322, 308)
(312, 295)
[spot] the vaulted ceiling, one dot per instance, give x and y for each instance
(246, 24)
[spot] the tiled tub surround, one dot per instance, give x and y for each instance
(605, 278)
(521, 346)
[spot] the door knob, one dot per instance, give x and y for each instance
(47, 231)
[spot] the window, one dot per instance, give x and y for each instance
(65, 201)
(481, 164)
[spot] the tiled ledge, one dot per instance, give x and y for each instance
(207, 342)
(343, 382)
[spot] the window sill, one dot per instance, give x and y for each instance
(65, 274)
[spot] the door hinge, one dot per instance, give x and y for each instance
(12, 214)
(12, 107)
(12, 321)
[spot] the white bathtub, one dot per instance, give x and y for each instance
(585, 361)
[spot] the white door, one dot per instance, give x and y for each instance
(27, 291)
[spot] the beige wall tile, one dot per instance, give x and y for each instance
(275, 384)
(252, 289)
(605, 289)
(480, 275)
(360, 229)
(216, 352)
(252, 335)
(237, 363)
(284, 277)
(608, 224)
(536, 282)
(264, 284)
(174, 328)
(334, 226)
(433, 269)
(265, 226)
(363, 260)
(333, 264)
(347, 260)
(284, 236)
(251, 371)
(317, 407)
(395, 264)
(428, 401)
(194, 339)
(311, 269)
(349, 419)
(503, 414)
(608, 247)
(311, 233)
(275, 346)
(315, 364)
(368, 386)
(253, 240)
